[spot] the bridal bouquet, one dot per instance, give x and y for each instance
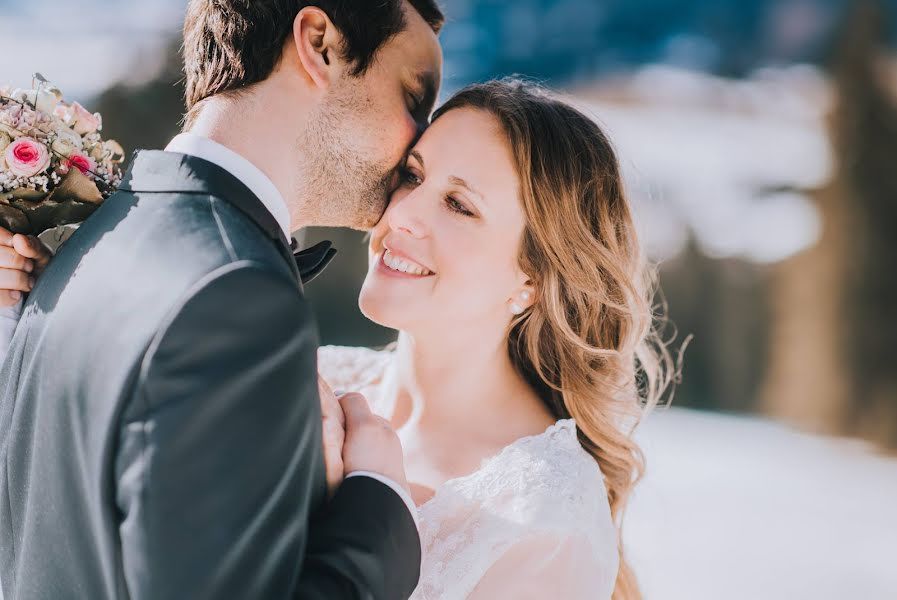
(55, 168)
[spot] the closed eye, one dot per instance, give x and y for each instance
(413, 103)
(416, 108)
(456, 206)
(412, 179)
(409, 177)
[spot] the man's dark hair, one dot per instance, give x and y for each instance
(230, 44)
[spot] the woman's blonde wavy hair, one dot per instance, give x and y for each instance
(589, 345)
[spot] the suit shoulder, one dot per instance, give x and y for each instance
(211, 221)
(232, 315)
(173, 237)
(246, 290)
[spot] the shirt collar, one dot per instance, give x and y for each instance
(249, 175)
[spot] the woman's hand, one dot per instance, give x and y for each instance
(22, 258)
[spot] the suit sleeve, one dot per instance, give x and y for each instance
(219, 461)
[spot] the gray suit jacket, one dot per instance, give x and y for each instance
(160, 420)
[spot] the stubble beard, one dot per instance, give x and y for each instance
(341, 187)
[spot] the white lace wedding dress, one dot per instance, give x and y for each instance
(532, 522)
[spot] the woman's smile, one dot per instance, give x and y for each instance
(396, 265)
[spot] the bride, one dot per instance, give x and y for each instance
(509, 263)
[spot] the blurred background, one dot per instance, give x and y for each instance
(759, 144)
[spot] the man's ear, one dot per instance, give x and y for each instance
(318, 44)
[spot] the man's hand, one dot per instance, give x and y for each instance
(21, 259)
(334, 430)
(371, 444)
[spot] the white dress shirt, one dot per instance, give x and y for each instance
(248, 174)
(260, 185)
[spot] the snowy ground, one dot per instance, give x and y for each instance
(738, 508)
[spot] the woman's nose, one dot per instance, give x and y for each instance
(405, 214)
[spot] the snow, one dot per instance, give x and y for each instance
(742, 508)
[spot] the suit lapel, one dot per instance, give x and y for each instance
(157, 171)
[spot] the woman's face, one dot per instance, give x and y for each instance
(444, 255)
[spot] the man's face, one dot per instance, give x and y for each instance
(366, 125)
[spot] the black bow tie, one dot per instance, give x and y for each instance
(312, 261)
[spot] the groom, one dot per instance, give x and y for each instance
(160, 421)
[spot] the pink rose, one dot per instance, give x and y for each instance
(84, 122)
(26, 157)
(83, 163)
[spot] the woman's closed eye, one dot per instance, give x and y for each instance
(455, 205)
(410, 177)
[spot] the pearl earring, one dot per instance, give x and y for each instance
(525, 295)
(516, 309)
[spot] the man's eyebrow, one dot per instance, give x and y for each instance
(461, 183)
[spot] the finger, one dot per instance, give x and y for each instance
(31, 247)
(11, 259)
(9, 298)
(5, 237)
(324, 387)
(330, 406)
(11, 279)
(356, 409)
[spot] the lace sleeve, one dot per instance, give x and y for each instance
(550, 566)
(354, 369)
(9, 318)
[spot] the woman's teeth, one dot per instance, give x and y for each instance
(405, 266)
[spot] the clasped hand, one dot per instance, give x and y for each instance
(355, 439)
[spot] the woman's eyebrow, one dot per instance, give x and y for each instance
(461, 183)
(454, 180)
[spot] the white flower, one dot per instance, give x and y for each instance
(45, 99)
(98, 152)
(17, 120)
(117, 153)
(67, 141)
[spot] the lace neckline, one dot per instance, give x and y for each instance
(567, 426)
